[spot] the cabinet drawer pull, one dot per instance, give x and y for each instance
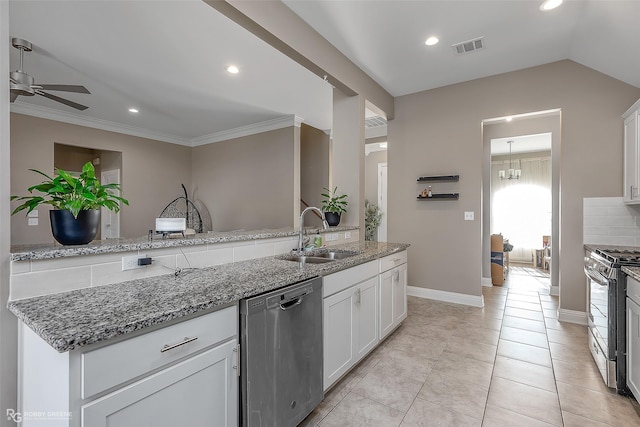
(186, 340)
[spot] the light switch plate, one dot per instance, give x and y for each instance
(347, 235)
(468, 216)
(33, 221)
(33, 214)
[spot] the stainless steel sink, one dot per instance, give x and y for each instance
(319, 258)
(336, 255)
(307, 259)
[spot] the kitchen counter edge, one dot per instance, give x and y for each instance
(78, 318)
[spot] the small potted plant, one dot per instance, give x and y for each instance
(75, 218)
(333, 206)
(372, 219)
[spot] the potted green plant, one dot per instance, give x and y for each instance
(333, 205)
(75, 218)
(372, 218)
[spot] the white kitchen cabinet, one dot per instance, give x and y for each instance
(350, 319)
(631, 173)
(633, 336)
(181, 374)
(393, 293)
(194, 392)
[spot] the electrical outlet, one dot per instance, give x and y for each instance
(131, 262)
(347, 235)
(33, 214)
(32, 221)
(468, 216)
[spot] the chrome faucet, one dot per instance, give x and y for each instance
(325, 225)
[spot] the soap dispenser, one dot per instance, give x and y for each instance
(429, 192)
(317, 240)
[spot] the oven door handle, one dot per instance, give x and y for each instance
(598, 278)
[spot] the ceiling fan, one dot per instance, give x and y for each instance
(22, 83)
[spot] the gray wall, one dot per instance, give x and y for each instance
(439, 131)
(250, 182)
(152, 171)
(314, 169)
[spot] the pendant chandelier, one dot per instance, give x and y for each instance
(511, 173)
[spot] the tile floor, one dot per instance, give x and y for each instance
(507, 364)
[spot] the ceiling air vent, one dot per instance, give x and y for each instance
(375, 121)
(468, 46)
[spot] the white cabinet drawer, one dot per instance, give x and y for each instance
(336, 282)
(393, 260)
(633, 289)
(114, 364)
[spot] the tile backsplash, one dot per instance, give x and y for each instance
(608, 221)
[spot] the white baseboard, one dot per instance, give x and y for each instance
(486, 281)
(555, 291)
(456, 298)
(572, 316)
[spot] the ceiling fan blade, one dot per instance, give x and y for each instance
(62, 100)
(66, 88)
(14, 96)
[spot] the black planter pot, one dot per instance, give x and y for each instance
(332, 218)
(68, 230)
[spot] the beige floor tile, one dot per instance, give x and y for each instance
(520, 323)
(415, 366)
(431, 348)
(585, 375)
(316, 415)
(550, 313)
(570, 352)
(523, 305)
(383, 386)
(473, 350)
(526, 314)
(480, 322)
(456, 394)
(427, 414)
(567, 338)
(551, 305)
(525, 337)
(564, 326)
(477, 333)
(494, 416)
(490, 313)
(427, 330)
(338, 392)
(573, 420)
(525, 298)
(522, 291)
(603, 407)
(357, 410)
(455, 366)
(525, 373)
(526, 400)
(524, 352)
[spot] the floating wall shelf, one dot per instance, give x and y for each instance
(441, 196)
(440, 178)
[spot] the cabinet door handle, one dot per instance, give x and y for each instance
(236, 350)
(358, 295)
(396, 276)
(186, 340)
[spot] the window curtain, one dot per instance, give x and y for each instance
(521, 209)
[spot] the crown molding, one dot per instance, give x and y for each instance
(76, 119)
(252, 129)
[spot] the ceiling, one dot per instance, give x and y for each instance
(521, 144)
(386, 38)
(168, 58)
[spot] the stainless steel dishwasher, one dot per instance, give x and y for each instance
(281, 355)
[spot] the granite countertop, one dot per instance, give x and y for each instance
(632, 271)
(78, 318)
(54, 250)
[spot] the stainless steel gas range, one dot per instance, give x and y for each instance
(607, 311)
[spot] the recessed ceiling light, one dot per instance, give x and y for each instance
(550, 4)
(133, 110)
(233, 69)
(509, 118)
(431, 41)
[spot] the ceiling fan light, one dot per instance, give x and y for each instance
(21, 89)
(550, 5)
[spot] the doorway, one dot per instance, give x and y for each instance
(521, 198)
(375, 171)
